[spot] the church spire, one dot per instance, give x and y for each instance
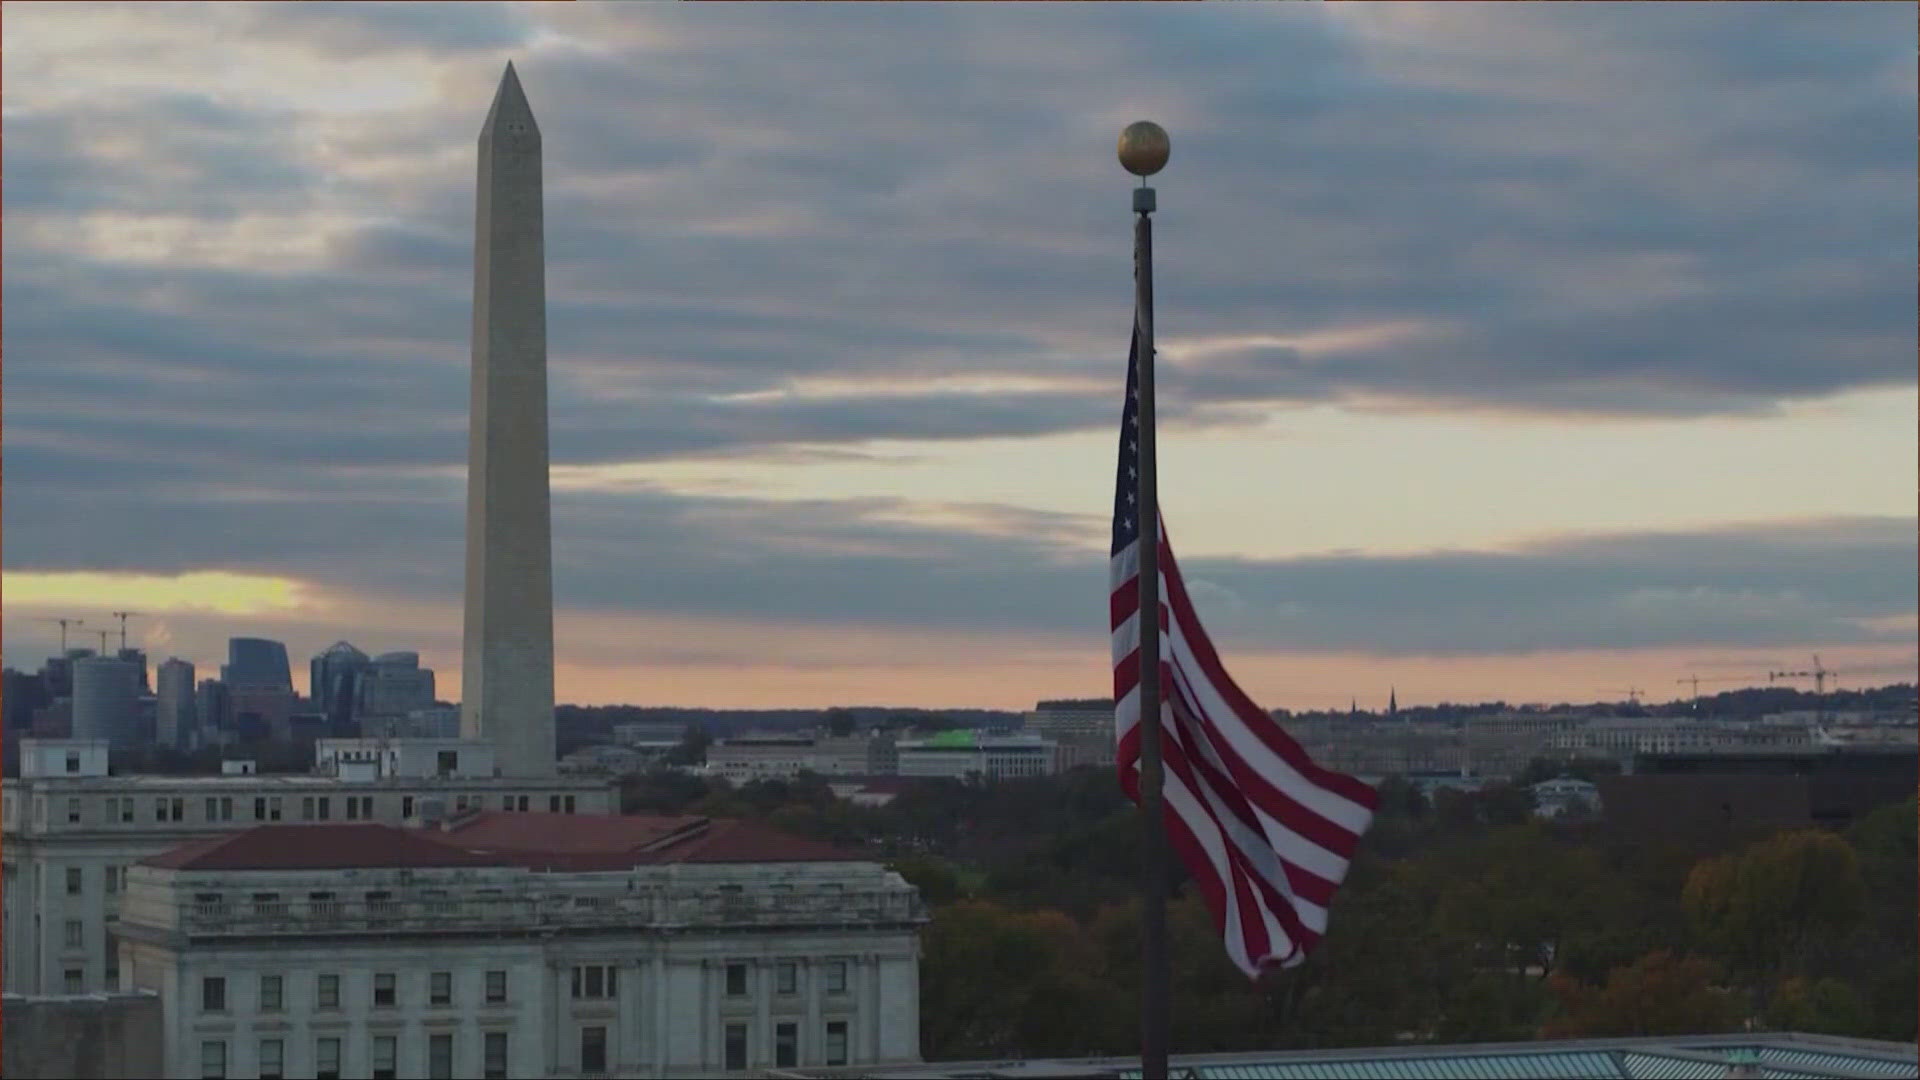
(1393, 702)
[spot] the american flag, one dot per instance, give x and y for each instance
(1266, 833)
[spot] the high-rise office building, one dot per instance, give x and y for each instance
(257, 662)
(138, 658)
(106, 695)
(335, 680)
(396, 684)
(215, 707)
(178, 709)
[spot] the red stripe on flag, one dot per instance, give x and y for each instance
(1257, 720)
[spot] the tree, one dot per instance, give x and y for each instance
(840, 723)
(1825, 1006)
(1655, 995)
(1765, 907)
(933, 876)
(692, 749)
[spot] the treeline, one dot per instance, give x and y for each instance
(1462, 920)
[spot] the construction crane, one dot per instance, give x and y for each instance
(122, 616)
(1633, 693)
(1819, 673)
(64, 623)
(103, 639)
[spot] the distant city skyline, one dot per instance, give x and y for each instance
(1508, 354)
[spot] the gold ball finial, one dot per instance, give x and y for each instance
(1144, 148)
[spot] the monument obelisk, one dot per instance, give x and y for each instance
(507, 672)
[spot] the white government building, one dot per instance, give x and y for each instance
(971, 754)
(498, 944)
(72, 831)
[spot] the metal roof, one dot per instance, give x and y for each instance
(1781, 1056)
(1824, 1060)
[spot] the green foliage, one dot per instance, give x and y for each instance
(933, 876)
(1461, 919)
(1767, 906)
(840, 722)
(1826, 1006)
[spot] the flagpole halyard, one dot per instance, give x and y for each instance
(1143, 151)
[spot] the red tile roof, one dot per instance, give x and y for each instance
(559, 842)
(320, 847)
(607, 842)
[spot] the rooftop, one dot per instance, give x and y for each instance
(1783, 1055)
(558, 842)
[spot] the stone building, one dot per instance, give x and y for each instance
(71, 831)
(523, 945)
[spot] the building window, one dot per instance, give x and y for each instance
(73, 881)
(494, 1055)
(353, 808)
(213, 808)
(736, 980)
(213, 994)
(111, 877)
(447, 762)
(440, 988)
(260, 808)
(553, 804)
(273, 1059)
(73, 811)
(496, 988)
(213, 1059)
(595, 981)
(385, 1050)
(126, 810)
(75, 980)
(177, 809)
(786, 977)
(593, 1049)
(73, 762)
(325, 804)
(786, 1045)
(736, 1047)
(440, 1057)
(159, 809)
(76, 934)
(383, 995)
(306, 808)
(568, 802)
(836, 976)
(273, 808)
(326, 1058)
(271, 996)
(328, 992)
(836, 1042)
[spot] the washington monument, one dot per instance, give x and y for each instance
(507, 673)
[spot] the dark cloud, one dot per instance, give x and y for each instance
(373, 29)
(1579, 210)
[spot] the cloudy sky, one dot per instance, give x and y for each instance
(1522, 352)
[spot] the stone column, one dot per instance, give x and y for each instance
(762, 1014)
(813, 1039)
(870, 1002)
(662, 1019)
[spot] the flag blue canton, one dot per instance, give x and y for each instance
(1126, 486)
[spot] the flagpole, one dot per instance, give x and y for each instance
(1143, 152)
